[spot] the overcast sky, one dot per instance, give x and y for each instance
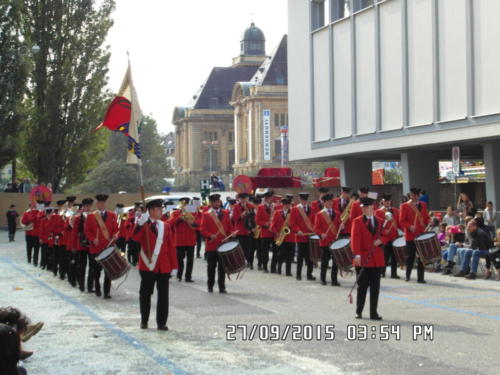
(174, 44)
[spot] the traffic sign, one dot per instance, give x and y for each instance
(204, 184)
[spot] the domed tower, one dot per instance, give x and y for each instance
(252, 47)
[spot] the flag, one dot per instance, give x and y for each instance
(124, 115)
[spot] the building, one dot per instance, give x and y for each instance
(169, 144)
(400, 80)
(205, 140)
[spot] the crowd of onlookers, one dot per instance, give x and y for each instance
(19, 186)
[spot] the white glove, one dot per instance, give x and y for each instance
(173, 273)
(143, 219)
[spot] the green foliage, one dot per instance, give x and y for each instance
(14, 62)
(392, 176)
(111, 176)
(66, 97)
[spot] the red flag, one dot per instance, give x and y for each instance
(117, 117)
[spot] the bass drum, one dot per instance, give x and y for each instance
(342, 254)
(428, 248)
(314, 250)
(232, 257)
(113, 263)
(399, 248)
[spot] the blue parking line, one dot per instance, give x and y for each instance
(461, 297)
(441, 307)
(130, 340)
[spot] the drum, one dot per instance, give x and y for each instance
(342, 253)
(399, 248)
(314, 249)
(113, 262)
(428, 248)
(232, 257)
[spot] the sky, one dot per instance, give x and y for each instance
(174, 44)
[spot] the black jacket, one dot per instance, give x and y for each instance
(480, 240)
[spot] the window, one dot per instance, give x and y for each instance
(210, 136)
(230, 137)
(231, 159)
(280, 119)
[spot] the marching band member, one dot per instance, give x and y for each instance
(157, 262)
(121, 242)
(31, 220)
(340, 204)
(263, 221)
(80, 245)
(67, 259)
(134, 246)
(215, 227)
(389, 216)
(199, 237)
(242, 212)
(356, 206)
(317, 205)
(413, 218)
(184, 226)
(301, 223)
(327, 225)
(101, 229)
(58, 228)
(45, 237)
(280, 225)
(369, 257)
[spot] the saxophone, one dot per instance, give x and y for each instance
(187, 216)
(284, 231)
(347, 212)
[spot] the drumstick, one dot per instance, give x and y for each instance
(228, 237)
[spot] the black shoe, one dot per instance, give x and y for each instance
(447, 271)
(98, 293)
(335, 283)
(323, 282)
(179, 279)
(358, 316)
(376, 317)
(198, 256)
(259, 268)
(460, 274)
(223, 291)
(407, 279)
(107, 296)
(471, 276)
(144, 325)
(395, 277)
(299, 278)
(90, 291)
(210, 290)
(311, 278)
(251, 266)
(289, 274)
(82, 289)
(265, 270)
(421, 281)
(189, 281)
(164, 328)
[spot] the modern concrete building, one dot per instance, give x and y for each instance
(395, 80)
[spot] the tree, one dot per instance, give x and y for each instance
(67, 96)
(14, 62)
(114, 175)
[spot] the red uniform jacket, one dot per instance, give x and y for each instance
(239, 218)
(362, 240)
(389, 229)
(123, 228)
(209, 227)
(57, 226)
(277, 222)
(317, 206)
(337, 206)
(321, 226)
(407, 218)
(32, 217)
(45, 234)
(93, 231)
(263, 218)
(298, 224)
(77, 231)
(356, 210)
(184, 234)
(167, 258)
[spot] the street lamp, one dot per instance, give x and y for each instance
(210, 144)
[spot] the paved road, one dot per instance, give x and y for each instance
(84, 334)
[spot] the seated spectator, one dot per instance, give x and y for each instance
(443, 235)
(479, 248)
(494, 257)
(434, 225)
(459, 244)
(451, 217)
(10, 349)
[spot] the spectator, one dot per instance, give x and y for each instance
(451, 217)
(227, 203)
(494, 257)
(434, 225)
(27, 186)
(443, 236)
(424, 197)
(10, 351)
(490, 218)
(479, 248)
(9, 189)
(457, 247)
(12, 217)
(465, 206)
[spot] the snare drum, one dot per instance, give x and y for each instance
(399, 248)
(428, 248)
(314, 249)
(342, 253)
(232, 257)
(113, 262)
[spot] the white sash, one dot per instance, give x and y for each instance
(151, 264)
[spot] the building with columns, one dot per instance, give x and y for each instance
(261, 115)
(205, 139)
(397, 80)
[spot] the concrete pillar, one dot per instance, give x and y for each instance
(236, 139)
(491, 157)
(356, 172)
(195, 149)
(421, 169)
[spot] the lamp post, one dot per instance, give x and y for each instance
(210, 144)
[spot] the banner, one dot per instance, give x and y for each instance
(266, 134)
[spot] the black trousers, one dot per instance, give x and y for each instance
(188, 253)
(43, 259)
(58, 261)
(326, 255)
(12, 231)
(32, 248)
(199, 240)
(254, 248)
(265, 246)
(50, 258)
(133, 252)
(389, 255)
(95, 270)
(71, 269)
(148, 280)
(275, 257)
(90, 274)
(286, 251)
(79, 267)
(368, 277)
(410, 261)
(304, 257)
(121, 244)
(214, 263)
(246, 245)
(63, 262)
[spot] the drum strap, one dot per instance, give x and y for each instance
(305, 218)
(217, 222)
(151, 263)
(417, 213)
(328, 219)
(103, 228)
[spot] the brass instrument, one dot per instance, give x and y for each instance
(258, 228)
(345, 215)
(284, 231)
(186, 215)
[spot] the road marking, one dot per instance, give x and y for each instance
(462, 297)
(130, 340)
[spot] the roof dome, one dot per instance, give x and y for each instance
(253, 33)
